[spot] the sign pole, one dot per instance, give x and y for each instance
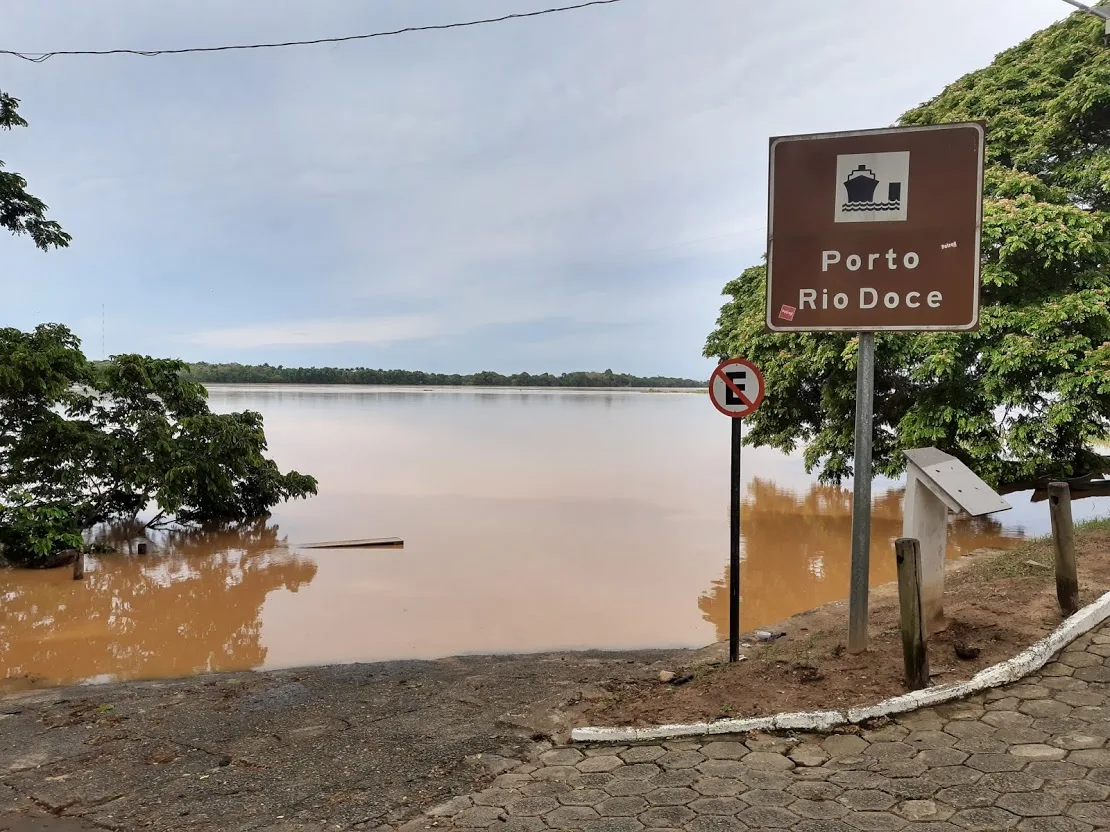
(736, 389)
(874, 231)
(734, 547)
(861, 494)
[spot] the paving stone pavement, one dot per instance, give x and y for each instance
(1033, 756)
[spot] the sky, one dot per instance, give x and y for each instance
(544, 195)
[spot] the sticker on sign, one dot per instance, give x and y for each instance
(736, 387)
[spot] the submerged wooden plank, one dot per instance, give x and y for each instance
(369, 543)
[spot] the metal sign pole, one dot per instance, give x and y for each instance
(864, 261)
(861, 494)
(734, 547)
(736, 389)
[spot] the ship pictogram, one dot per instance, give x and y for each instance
(861, 185)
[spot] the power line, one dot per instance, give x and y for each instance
(41, 57)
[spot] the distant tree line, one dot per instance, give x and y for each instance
(267, 374)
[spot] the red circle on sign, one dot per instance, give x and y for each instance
(753, 404)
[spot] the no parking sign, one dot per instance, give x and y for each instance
(736, 389)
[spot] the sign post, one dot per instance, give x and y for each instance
(874, 231)
(736, 389)
(861, 493)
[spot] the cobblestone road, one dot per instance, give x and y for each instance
(1034, 756)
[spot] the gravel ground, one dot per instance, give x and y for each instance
(346, 747)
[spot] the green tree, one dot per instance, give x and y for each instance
(83, 444)
(20, 212)
(1026, 396)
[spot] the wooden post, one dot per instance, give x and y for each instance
(1063, 538)
(79, 566)
(915, 653)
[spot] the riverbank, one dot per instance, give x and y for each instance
(266, 374)
(359, 746)
(448, 388)
(996, 605)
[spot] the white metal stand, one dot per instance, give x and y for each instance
(937, 483)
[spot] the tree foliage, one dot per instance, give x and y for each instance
(20, 212)
(264, 373)
(81, 444)
(1027, 396)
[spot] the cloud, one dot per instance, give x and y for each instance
(329, 331)
(450, 316)
(586, 182)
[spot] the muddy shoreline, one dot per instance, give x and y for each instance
(809, 669)
(360, 746)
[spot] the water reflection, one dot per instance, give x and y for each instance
(328, 395)
(796, 550)
(192, 606)
(533, 520)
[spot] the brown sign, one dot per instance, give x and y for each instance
(876, 230)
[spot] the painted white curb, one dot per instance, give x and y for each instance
(1027, 661)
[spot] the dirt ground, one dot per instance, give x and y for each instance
(996, 603)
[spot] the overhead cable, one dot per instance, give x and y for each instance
(41, 57)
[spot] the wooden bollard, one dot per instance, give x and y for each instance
(915, 652)
(1063, 540)
(79, 566)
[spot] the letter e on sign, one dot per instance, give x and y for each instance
(736, 388)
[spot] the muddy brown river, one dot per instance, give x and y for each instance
(532, 521)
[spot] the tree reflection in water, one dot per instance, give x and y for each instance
(796, 550)
(191, 606)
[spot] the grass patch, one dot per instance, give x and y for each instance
(1036, 558)
(1031, 560)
